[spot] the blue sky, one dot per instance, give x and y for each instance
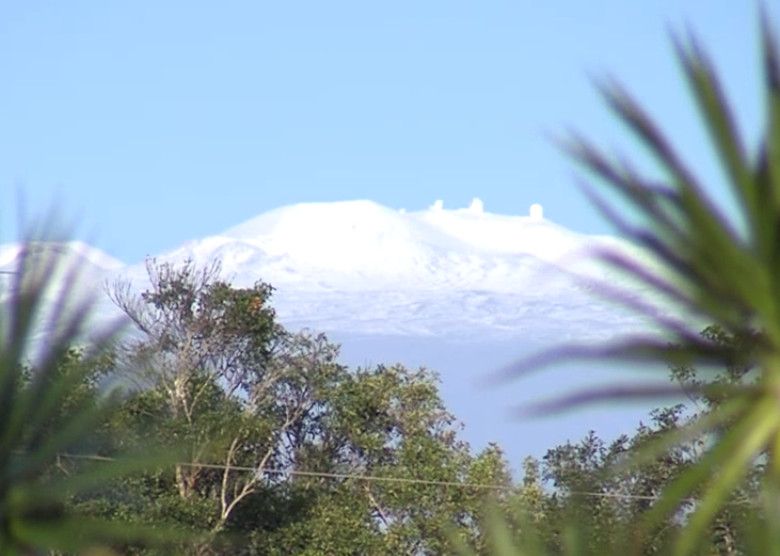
(154, 123)
(159, 122)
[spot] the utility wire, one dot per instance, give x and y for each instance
(379, 478)
(316, 474)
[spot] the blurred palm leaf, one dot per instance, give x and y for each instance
(502, 540)
(715, 270)
(34, 428)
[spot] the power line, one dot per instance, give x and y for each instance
(315, 474)
(379, 478)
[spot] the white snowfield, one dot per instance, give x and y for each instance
(359, 267)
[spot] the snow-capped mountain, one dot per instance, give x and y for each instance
(360, 245)
(70, 252)
(359, 267)
(74, 266)
(461, 291)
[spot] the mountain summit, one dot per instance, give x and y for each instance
(365, 227)
(360, 267)
(360, 245)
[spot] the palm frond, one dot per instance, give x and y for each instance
(710, 268)
(35, 428)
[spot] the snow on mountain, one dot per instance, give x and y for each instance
(360, 245)
(76, 252)
(73, 265)
(75, 260)
(357, 266)
(461, 290)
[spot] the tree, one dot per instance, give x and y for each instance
(283, 449)
(600, 491)
(398, 478)
(211, 380)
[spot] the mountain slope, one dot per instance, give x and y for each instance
(357, 266)
(75, 261)
(461, 290)
(75, 267)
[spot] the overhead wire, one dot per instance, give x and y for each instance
(378, 478)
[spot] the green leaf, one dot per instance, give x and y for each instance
(742, 446)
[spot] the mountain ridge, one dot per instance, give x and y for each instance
(478, 292)
(436, 271)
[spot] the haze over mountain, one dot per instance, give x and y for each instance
(460, 291)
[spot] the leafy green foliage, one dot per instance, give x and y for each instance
(48, 410)
(281, 449)
(714, 270)
(591, 497)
